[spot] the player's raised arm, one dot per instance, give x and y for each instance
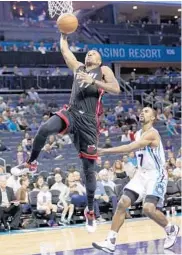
(69, 57)
(110, 85)
(150, 139)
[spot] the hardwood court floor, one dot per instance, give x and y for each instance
(67, 239)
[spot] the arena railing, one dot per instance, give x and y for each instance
(15, 82)
(127, 89)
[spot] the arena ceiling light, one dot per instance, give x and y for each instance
(179, 10)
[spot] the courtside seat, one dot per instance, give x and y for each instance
(173, 194)
(38, 215)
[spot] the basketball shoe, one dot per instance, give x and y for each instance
(108, 245)
(31, 166)
(172, 233)
(90, 220)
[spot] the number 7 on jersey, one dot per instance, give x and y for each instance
(141, 159)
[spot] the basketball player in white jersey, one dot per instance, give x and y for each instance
(148, 184)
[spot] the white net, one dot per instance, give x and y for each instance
(59, 8)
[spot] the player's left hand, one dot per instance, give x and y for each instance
(85, 78)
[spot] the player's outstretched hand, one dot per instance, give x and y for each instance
(84, 77)
(100, 151)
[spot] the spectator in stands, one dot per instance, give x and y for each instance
(3, 146)
(128, 167)
(74, 48)
(104, 177)
(118, 170)
(100, 198)
(22, 194)
(98, 166)
(63, 140)
(34, 126)
(25, 140)
(131, 117)
(48, 153)
(64, 199)
(56, 72)
(110, 188)
(170, 154)
(12, 124)
(3, 126)
(31, 109)
(4, 70)
(108, 143)
(125, 137)
(107, 165)
(44, 118)
(21, 156)
(44, 202)
(77, 191)
(132, 158)
(132, 132)
(28, 146)
(3, 105)
(14, 48)
(17, 71)
(169, 146)
(39, 183)
(23, 124)
(115, 129)
(171, 163)
(119, 108)
(6, 114)
(42, 48)
(31, 46)
(14, 180)
(33, 95)
(171, 125)
(54, 47)
(177, 172)
(9, 206)
(110, 117)
(52, 142)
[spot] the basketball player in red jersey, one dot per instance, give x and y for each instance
(80, 118)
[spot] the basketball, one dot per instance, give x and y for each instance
(67, 23)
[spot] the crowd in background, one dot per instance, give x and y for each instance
(122, 121)
(40, 47)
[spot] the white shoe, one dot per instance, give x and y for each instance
(171, 237)
(91, 224)
(106, 246)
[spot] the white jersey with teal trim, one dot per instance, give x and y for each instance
(150, 159)
(151, 178)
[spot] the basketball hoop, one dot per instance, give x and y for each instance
(59, 8)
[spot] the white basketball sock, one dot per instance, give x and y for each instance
(112, 235)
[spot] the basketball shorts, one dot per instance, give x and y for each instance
(148, 183)
(83, 126)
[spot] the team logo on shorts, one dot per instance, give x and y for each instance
(159, 189)
(91, 149)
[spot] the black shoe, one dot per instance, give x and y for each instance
(14, 228)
